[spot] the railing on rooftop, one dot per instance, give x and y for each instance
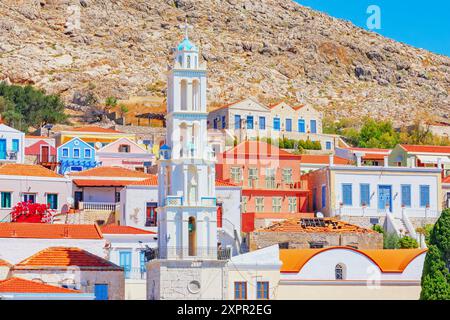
(135, 273)
(98, 206)
(200, 253)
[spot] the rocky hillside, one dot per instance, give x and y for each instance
(271, 49)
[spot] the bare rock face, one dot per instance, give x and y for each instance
(88, 50)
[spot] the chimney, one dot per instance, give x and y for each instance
(386, 161)
(331, 161)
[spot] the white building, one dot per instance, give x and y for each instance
(11, 145)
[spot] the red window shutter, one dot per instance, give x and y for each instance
(219, 217)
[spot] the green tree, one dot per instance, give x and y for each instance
(391, 241)
(436, 275)
(378, 228)
(123, 109)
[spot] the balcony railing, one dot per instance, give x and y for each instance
(199, 253)
(209, 201)
(10, 156)
(135, 273)
(98, 206)
(173, 201)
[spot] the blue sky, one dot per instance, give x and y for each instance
(420, 23)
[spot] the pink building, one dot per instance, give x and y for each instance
(125, 153)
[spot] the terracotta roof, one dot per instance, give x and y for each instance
(65, 257)
(222, 183)
(102, 183)
(328, 225)
(49, 231)
(370, 150)
(373, 156)
(152, 181)
(258, 149)
(426, 149)
(116, 229)
(37, 137)
(113, 172)
(35, 148)
(298, 107)
(4, 263)
(446, 179)
(321, 159)
(94, 129)
(388, 260)
(19, 285)
(29, 170)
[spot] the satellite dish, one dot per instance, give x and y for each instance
(98, 145)
(319, 215)
(70, 200)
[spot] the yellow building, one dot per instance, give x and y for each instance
(93, 135)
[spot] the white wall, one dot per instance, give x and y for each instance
(231, 215)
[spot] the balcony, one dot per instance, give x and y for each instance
(174, 201)
(9, 156)
(272, 184)
(209, 201)
(99, 206)
(135, 273)
(200, 253)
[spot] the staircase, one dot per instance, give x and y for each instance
(400, 227)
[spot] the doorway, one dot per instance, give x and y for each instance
(384, 197)
(192, 237)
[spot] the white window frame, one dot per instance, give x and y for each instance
(79, 153)
(259, 204)
(276, 204)
(293, 206)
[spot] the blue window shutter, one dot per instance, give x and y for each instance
(424, 195)
(262, 123)
(301, 125)
(313, 126)
(324, 196)
(237, 121)
(101, 291)
(365, 194)
(406, 195)
(15, 145)
(276, 124)
(347, 194)
(288, 125)
(223, 122)
(328, 145)
(249, 122)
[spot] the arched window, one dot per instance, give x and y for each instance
(188, 61)
(184, 88)
(192, 236)
(339, 272)
(195, 95)
(180, 60)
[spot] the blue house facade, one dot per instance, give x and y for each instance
(76, 155)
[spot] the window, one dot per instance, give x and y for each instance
(237, 121)
(270, 178)
(364, 194)
(328, 145)
(87, 153)
(424, 196)
(292, 204)
(259, 204)
(347, 194)
(276, 124)
(324, 196)
(125, 148)
(289, 125)
(339, 272)
(215, 124)
(65, 152)
(287, 175)
(52, 200)
(117, 196)
(224, 123)
(6, 200)
(301, 125)
(313, 126)
(249, 122)
(262, 123)
(406, 195)
(236, 174)
(142, 261)
(15, 145)
(151, 216)
(244, 204)
(29, 197)
(276, 204)
(253, 177)
(240, 290)
(76, 153)
(262, 290)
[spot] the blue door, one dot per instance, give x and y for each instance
(125, 262)
(301, 125)
(289, 125)
(313, 126)
(384, 197)
(101, 292)
(2, 148)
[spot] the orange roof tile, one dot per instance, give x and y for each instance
(388, 260)
(65, 257)
(49, 231)
(94, 129)
(19, 285)
(370, 150)
(29, 170)
(373, 156)
(222, 183)
(426, 149)
(103, 183)
(296, 108)
(330, 225)
(153, 181)
(116, 229)
(282, 215)
(113, 172)
(4, 263)
(321, 159)
(446, 179)
(258, 149)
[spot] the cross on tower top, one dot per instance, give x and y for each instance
(186, 27)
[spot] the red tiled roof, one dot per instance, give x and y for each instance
(35, 148)
(426, 149)
(4, 263)
(94, 129)
(18, 285)
(321, 159)
(446, 179)
(330, 226)
(296, 108)
(103, 183)
(258, 149)
(222, 183)
(113, 172)
(370, 150)
(65, 257)
(29, 170)
(373, 156)
(388, 260)
(49, 231)
(116, 229)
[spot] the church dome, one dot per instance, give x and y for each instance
(187, 45)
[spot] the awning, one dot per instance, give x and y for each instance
(102, 183)
(434, 159)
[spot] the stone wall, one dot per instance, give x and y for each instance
(363, 222)
(186, 279)
(302, 240)
(86, 217)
